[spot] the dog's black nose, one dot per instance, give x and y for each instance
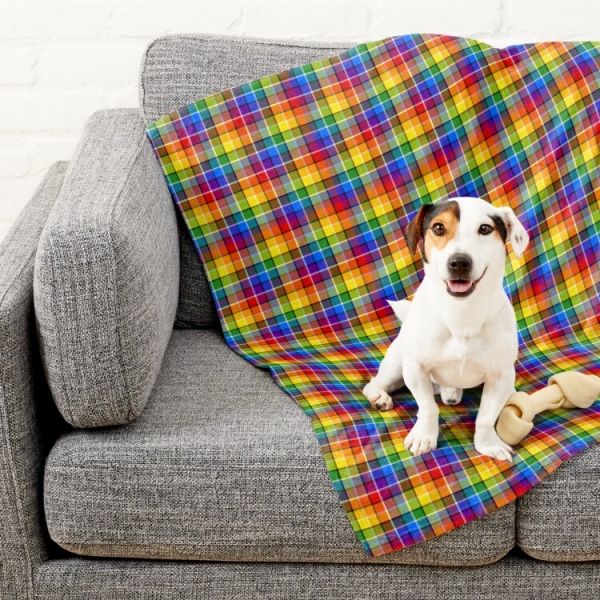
(459, 266)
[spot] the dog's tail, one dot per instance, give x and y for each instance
(400, 308)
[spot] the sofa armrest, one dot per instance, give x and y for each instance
(26, 410)
(106, 280)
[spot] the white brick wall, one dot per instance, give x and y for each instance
(60, 60)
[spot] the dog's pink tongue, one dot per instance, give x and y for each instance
(459, 286)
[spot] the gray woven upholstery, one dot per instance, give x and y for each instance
(25, 403)
(509, 579)
(180, 69)
(177, 70)
(107, 275)
(559, 519)
(221, 465)
(195, 308)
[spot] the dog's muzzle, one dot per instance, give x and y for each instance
(460, 284)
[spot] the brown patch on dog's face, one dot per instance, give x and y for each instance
(440, 226)
(499, 227)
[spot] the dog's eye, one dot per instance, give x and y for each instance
(438, 229)
(486, 229)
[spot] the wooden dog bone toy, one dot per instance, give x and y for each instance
(565, 390)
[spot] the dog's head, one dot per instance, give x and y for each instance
(463, 240)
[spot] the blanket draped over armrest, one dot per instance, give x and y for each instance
(296, 189)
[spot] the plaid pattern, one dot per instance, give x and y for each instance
(296, 188)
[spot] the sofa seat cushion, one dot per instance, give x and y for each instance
(559, 519)
(221, 465)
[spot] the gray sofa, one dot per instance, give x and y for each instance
(141, 458)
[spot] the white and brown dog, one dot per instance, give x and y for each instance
(460, 329)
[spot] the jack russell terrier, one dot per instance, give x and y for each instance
(460, 329)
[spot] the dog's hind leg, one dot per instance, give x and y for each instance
(377, 395)
(388, 379)
(450, 396)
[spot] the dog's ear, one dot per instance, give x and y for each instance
(414, 231)
(515, 232)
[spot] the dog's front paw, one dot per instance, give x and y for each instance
(422, 437)
(489, 444)
(377, 397)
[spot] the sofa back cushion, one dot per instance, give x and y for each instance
(177, 70)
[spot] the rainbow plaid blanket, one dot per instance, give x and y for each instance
(296, 189)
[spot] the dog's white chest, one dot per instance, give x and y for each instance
(459, 362)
